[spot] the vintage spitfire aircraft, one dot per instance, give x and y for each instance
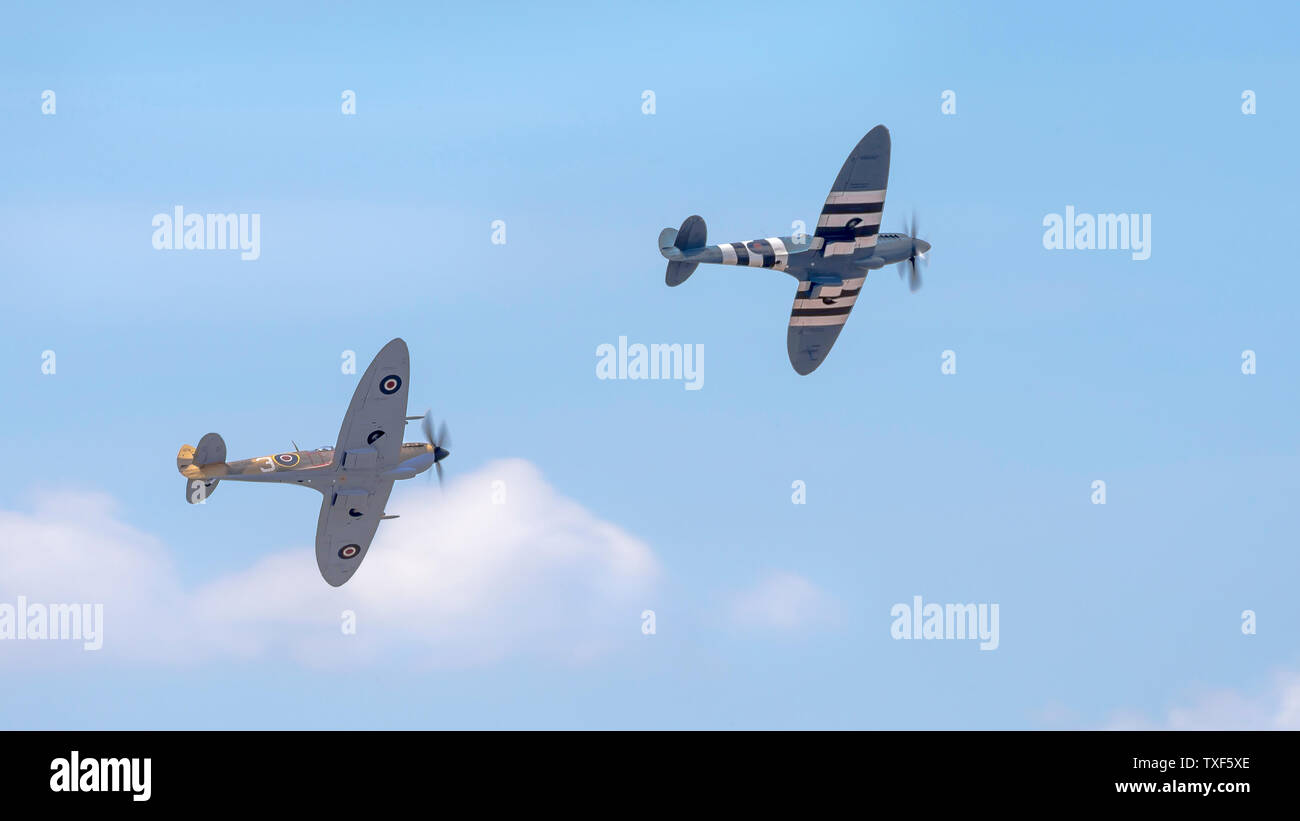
(355, 476)
(830, 266)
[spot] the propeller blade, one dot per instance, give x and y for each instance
(440, 443)
(911, 228)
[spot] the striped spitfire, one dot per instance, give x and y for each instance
(831, 265)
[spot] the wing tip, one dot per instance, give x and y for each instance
(395, 344)
(808, 347)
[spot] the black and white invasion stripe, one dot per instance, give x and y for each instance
(760, 253)
(828, 308)
(850, 221)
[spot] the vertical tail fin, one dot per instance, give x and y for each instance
(692, 236)
(190, 461)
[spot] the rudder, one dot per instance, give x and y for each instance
(692, 236)
(191, 461)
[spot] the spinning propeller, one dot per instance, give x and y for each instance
(919, 249)
(441, 443)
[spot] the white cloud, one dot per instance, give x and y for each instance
(1276, 707)
(457, 580)
(784, 602)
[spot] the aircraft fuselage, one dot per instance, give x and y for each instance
(309, 467)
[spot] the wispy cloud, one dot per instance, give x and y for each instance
(1274, 707)
(457, 580)
(783, 602)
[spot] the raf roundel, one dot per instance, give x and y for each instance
(286, 460)
(390, 384)
(349, 551)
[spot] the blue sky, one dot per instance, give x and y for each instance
(1073, 366)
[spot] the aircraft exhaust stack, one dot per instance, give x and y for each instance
(674, 245)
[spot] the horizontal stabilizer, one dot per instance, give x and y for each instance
(679, 272)
(197, 491)
(667, 242)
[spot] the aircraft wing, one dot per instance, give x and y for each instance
(850, 219)
(371, 436)
(349, 517)
(820, 310)
(849, 225)
(370, 442)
